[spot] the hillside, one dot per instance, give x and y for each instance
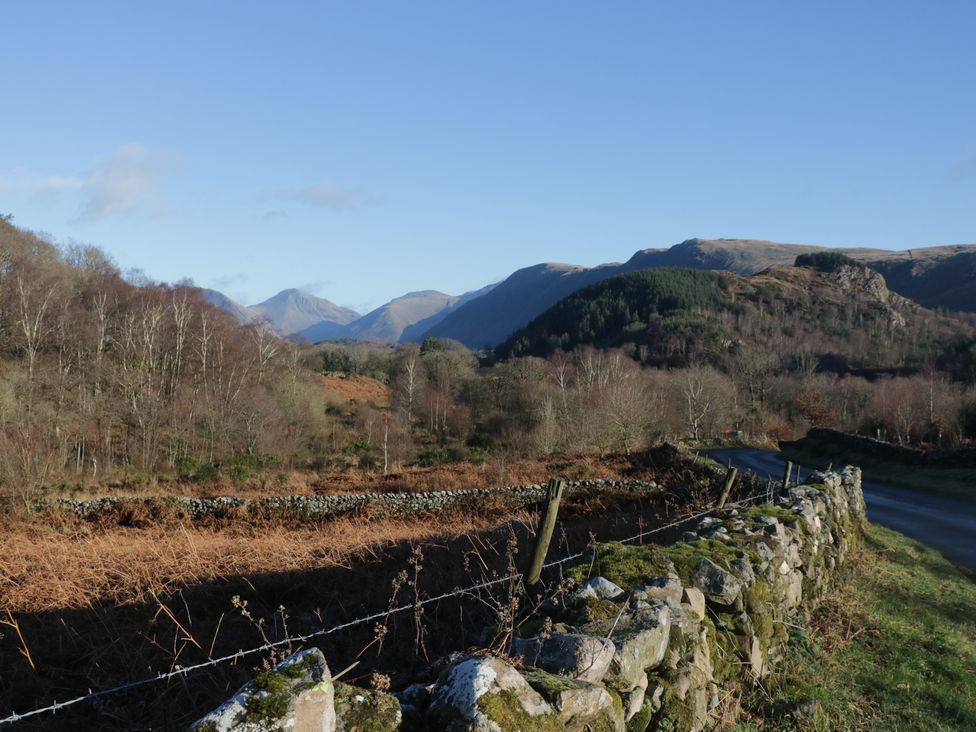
(242, 314)
(415, 332)
(936, 277)
(288, 312)
(403, 319)
(291, 311)
(387, 322)
(848, 319)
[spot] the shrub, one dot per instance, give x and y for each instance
(826, 261)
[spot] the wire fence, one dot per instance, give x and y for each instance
(181, 671)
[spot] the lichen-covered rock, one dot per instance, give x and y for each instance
(485, 694)
(790, 587)
(578, 656)
(599, 588)
(719, 585)
(693, 602)
(363, 710)
(687, 696)
(742, 568)
(757, 664)
(580, 704)
(296, 695)
(640, 642)
(634, 700)
(666, 589)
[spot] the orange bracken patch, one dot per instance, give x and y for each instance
(357, 389)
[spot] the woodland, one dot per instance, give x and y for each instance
(111, 382)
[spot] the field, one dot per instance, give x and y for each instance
(92, 604)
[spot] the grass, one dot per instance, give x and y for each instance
(955, 482)
(890, 649)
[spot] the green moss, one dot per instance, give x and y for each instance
(549, 686)
(784, 515)
(676, 715)
(607, 721)
(759, 597)
(299, 669)
(828, 489)
(377, 712)
(625, 566)
(505, 710)
(724, 654)
(809, 592)
(763, 626)
(642, 720)
(686, 555)
(780, 635)
(594, 609)
(274, 691)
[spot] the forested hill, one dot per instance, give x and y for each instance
(844, 319)
(936, 277)
(101, 378)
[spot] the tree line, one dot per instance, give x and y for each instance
(109, 381)
(104, 380)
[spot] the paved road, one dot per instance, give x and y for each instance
(948, 524)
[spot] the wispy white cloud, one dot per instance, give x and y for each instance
(22, 182)
(124, 183)
(328, 196)
(127, 183)
(316, 287)
(230, 280)
(324, 196)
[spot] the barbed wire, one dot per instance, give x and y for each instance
(184, 670)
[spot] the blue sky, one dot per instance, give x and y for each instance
(362, 150)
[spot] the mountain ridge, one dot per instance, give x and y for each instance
(490, 320)
(937, 276)
(287, 312)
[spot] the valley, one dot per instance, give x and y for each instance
(431, 367)
(183, 477)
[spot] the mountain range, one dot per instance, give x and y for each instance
(936, 277)
(287, 313)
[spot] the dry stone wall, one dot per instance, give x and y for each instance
(323, 507)
(646, 641)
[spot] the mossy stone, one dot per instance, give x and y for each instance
(625, 566)
(504, 709)
(361, 710)
(642, 720)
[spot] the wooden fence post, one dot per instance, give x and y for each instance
(554, 491)
(786, 476)
(727, 488)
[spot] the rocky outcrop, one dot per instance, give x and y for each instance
(676, 624)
